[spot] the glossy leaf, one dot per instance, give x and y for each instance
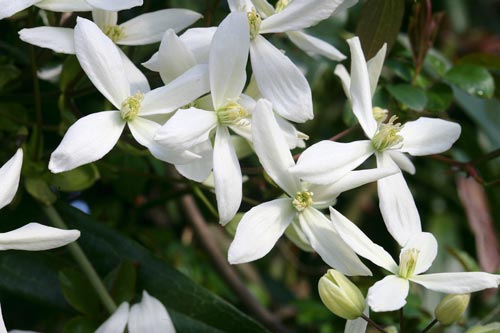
(473, 79)
(410, 96)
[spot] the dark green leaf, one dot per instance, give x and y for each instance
(80, 325)
(439, 98)
(487, 60)
(39, 189)
(124, 279)
(79, 292)
(473, 79)
(410, 96)
(77, 179)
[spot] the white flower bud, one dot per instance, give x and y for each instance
(451, 308)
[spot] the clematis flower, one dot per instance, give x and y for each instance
(10, 7)
(298, 211)
(415, 258)
(147, 316)
(388, 141)
(93, 136)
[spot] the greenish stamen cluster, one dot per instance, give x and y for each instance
(379, 114)
(131, 106)
(281, 4)
(114, 32)
(302, 200)
(232, 113)
(408, 262)
(254, 21)
(387, 135)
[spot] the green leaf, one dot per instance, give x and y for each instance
(473, 79)
(79, 292)
(410, 96)
(8, 72)
(39, 189)
(487, 60)
(123, 279)
(77, 179)
(71, 72)
(80, 325)
(379, 23)
(439, 98)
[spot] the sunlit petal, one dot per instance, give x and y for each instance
(315, 46)
(388, 294)
(36, 237)
(59, 40)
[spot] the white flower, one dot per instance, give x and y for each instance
(147, 316)
(416, 257)
(388, 141)
(10, 173)
(11, 7)
(93, 136)
(262, 226)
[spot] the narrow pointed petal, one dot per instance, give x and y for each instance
(264, 7)
(149, 316)
(228, 59)
(272, 148)
(149, 28)
(345, 79)
(137, 80)
(326, 161)
(396, 204)
(375, 65)
(299, 14)
(10, 173)
(361, 97)
(295, 233)
(426, 136)
(360, 243)
(293, 137)
(458, 282)
(104, 18)
(117, 322)
(198, 40)
(388, 294)
(329, 245)
(315, 46)
(259, 229)
(64, 5)
(36, 237)
(9, 7)
(280, 81)
(60, 40)
(114, 5)
(402, 161)
(200, 169)
(227, 176)
(101, 61)
(186, 128)
(427, 247)
(144, 131)
(87, 140)
(240, 5)
(179, 92)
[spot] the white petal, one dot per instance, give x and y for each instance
(87, 140)
(459, 282)
(396, 204)
(329, 245)
(361, 97)
(36, 237)
(293, 137)
(137, 80)
(149, 28)
(59, 40)
(104, 18)
(228, 58)
(327, 161)
(427, 246)
(272, 148)
(360, 243)
(198, 41)
(186, 128)
(240, 5)
(299, 14)
(64, 5)
(388, 294)
(179, 92)
(375, 65)
(315, 46)
(144, 131)
(117, 322)
(345, 79)
(426, 136)
(3, 329)
(280, 81)
(296, 235)
(357, 325)
(264, 7)
(227, 176)
(259, 229)
(9, 7)
(101, 61)
(10, 173)
(114, 5)
(200, 169)
(149, 316)
(402, 161)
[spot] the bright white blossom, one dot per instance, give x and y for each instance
(297, 212)
(388, 141)
(93, 136)
(416, 257)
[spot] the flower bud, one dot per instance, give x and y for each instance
(490, 328)
(451, 308)
(340, 295)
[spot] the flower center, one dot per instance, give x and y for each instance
(302, 200)
(114, 32)
(407, 263)
(232, 113)
(281, 4)
(131, 106)
(387, 135)
(254, 21)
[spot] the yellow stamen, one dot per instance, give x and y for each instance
(254, 21)
(131, 106)
(281, 4)
(232, 113)
(302, 200)
(408, 262)
(387, 135)
(114, 32)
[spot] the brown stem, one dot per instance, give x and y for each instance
(431, 324)
(374, 324)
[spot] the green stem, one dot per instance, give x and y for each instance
(374, 324)
(431, 324)
(82, 260)
(401, 321)
(197, 191)
(38, 100)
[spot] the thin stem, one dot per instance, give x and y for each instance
(82, 260)
(38, 100)
(374, 324)
(431, 324)
(198, 192)
(401, 320)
